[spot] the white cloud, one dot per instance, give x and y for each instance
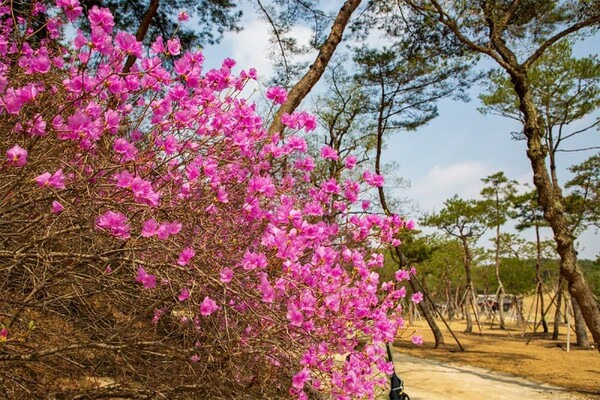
(251, 47)
(442, 182)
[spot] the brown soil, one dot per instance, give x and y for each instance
(541, 361)
(427, 379)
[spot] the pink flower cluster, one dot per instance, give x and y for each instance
(277, 94)
(115, 223)
(175, 167)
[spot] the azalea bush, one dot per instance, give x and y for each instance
(158, 243)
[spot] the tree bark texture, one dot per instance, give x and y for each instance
(424, 306)
(552, 202)
(140, 34)
(427, 312)
(579, 322)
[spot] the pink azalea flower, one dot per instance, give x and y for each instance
(38, 127)
(328, 153)
(158, 46)
(148, 280)
(144, 193)
(170, 144)
(268, 293)
(157, 315)
(297, 143)
(3, 335)
(417, 297)
(309, 122)
(184, 295)
(174, 46)
(222, 195)
(16, 156)
(410, 224)
(43, 179)
(127, 150)
(185, 256)
(149, 228)
(167, 229)
(350, 162)
(331, 186)
(402, 275)
(260, 184)
(277, 94)
(401, 292)
(57, 207)
(55, 180)
(128, 44)
(136, 135)
(36, 64)
(228, 63)
(417, 340)
(71, 8)
(373, 180)
(101, 17)
(183, 16)
(295, 316)
(226, 275)
(208, 306)
(254, 260)
(123, 179)
(39, 8)
(300, 378)
(115, 223)
(365, 205)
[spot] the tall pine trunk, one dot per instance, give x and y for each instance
(552, 202)
(557, 314)
(500, 293)
(425, 308)
(579, 322)
(538, 277)
(308, 81)
(469, 293)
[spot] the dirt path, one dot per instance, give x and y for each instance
(427, 379)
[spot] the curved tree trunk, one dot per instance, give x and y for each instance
(538, 277)
(552, 202)
(467, 310)
(425, 308)
(468, 303)
(140, 34)
(579, 322)
(306, 83)
(540, 293)
(500, 293)
(426, 304)
(557, 313)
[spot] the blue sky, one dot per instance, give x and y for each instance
(452, 153)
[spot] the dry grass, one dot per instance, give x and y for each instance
(542, 360)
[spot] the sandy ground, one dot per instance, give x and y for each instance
(540, 364)
(427, 379)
